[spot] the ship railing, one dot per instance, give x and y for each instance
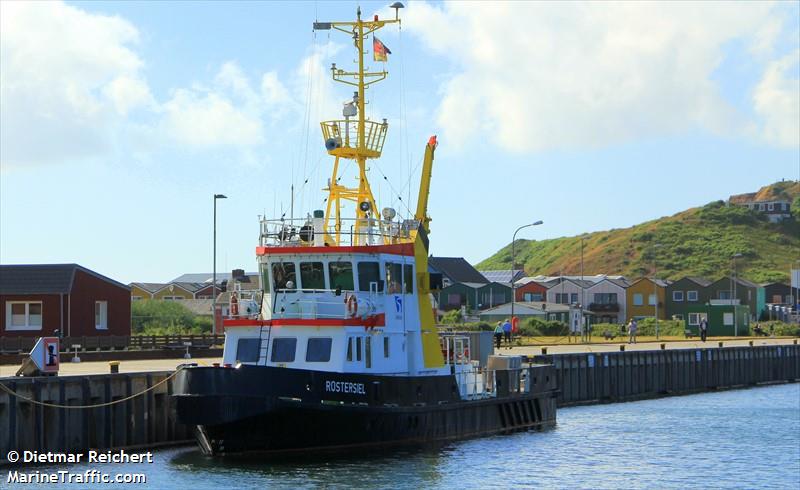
(329, 306)
(347, 232)
(343, 133)
(481, 383)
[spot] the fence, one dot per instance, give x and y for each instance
(116, 342)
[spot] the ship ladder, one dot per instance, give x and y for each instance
(264, 343)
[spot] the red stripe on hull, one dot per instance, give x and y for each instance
(370, 321)
(396, 249)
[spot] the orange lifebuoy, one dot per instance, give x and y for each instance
(352, 305)
(234, 306)
(514, 324)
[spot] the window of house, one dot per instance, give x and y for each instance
(561, 298)
(284, 277)
(573, 298)
(136, 298)
(312, 275)
(605, 298)
(408, 278)
(727, 319)
(760, 207)
(172, 298)
(770, 207)
(101, 315)
(368, 274)
(283, 349)
(247, 350)
(691, 296)
(341, 275)
(677, 296)
(368, 351)
(394, 278)
(651, 299)
(319, 349)
(725, 294)
(638, 299)
(677, 317)
(385, 346)
(532, 297)
(694, 319)
(23, 315)
(454, 299)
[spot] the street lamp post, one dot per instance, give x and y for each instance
(214, 273)
(513, 253)
(655, 285)
(584, 330)
(734, 280)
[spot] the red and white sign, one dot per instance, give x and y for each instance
(50, 360)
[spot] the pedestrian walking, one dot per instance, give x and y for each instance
(633, 326)
(507, 332)
(498, 335)
(703, 329)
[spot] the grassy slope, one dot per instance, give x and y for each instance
(697, 242)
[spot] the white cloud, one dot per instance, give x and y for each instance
(73, 87)
(777, 100)
(207, 119)
(535, 75)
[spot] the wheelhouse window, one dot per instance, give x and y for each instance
(358, 349)
(283, 349)
(341, 274)
(368, 351)
(369, 273)
(101, 315)
(247, 350)
(350, 349)
(312, 275)
(284, 277)
(23, 315)
(319, 349)
(394, 278)
(408, 278)
(386, 347)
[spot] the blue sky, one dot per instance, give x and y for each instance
(121, 120)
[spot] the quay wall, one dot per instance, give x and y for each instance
(145, 421)
(609, 377)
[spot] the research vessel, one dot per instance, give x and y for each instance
(344, 351)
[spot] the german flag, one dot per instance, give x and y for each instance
(379, 50)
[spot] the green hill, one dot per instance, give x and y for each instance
(695, 242)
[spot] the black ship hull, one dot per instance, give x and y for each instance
(279, 410)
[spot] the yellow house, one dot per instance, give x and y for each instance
(144, 290)
(177, 291)
(642, 296)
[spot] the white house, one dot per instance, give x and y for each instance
(607, 300)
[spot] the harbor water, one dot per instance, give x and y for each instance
(732, 439)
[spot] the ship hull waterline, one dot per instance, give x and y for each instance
(284, 411)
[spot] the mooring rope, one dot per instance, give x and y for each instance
(56, 405)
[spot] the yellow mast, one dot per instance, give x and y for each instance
(370, 135)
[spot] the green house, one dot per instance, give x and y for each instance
(685, 294)
(723, 319)
(748, 293)
(475, 296)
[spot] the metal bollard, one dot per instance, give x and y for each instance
(720, 345)
(113, 367)
(544, 350)
(663, 346)
(751, 343)
(622, 348)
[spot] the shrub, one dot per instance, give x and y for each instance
(156, 317)
(452, 317)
